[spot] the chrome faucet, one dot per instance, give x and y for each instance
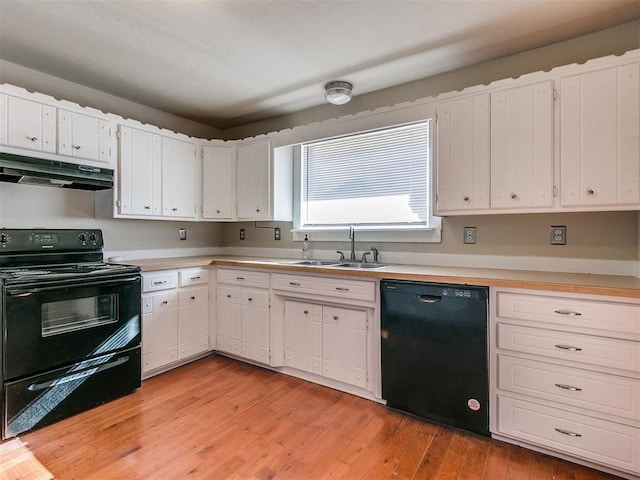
(352, 237)
(375, 254)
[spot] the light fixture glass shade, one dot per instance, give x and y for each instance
(338, 93)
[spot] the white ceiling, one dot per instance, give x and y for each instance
(226, 63)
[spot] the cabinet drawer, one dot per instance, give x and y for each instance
(616, 319)
(243, 277)
(600, 392)
(334, 287)
(193, 276)
(164, 280)
(193, 295)
(574, 347)
(590, 438)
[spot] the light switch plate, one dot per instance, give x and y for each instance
(182, 233)
(558, 235)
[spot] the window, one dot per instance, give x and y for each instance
(376, 180)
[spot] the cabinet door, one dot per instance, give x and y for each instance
(599, 139)
(178, 178)
(303, 336)
(218, 182)
(28, 124)
(83, 136)
(255, 325)
(344, 345)
(254, 180)
(193, 318)
(165, 329)
(147, 333)
(463, 154)
(140, 172)
(229, 319)
(522, 147)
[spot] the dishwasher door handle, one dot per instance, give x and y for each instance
(428, 298)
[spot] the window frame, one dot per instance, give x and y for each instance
(430, 233)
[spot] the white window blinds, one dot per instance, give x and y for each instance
(377, 178)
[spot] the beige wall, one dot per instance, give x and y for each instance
(26, 206)
(608, 235)
(612, 41)
(35, 81)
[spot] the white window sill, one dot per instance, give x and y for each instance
(391, 235)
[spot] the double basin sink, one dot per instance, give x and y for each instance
(335, 263)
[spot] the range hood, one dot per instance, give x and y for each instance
(52, 173)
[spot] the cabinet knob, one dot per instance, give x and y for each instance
(306, 312)
(590, 191)
(147, 207)
(257, 210)
(33, 139)
(335, 317)
(217, 211)
(228, 296)
(250, 299)
(193, 298)
(164, 302)
(466, 199)
(77, 147)
(513, 196)
(174, 209)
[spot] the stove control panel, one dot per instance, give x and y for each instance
(37, 240)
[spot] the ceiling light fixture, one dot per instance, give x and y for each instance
(338, 93)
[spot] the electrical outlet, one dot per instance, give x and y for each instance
(558, 235)
(469, 234)
(242, 234)
(182, 233)
(276, 233)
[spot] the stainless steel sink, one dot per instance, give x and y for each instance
(313, 263)
(361, 265)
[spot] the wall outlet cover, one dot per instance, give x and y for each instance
(242, 234)
(558, 235)
(469, 235)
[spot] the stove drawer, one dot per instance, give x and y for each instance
(44, 399)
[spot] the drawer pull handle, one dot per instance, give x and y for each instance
(294, 284)
(159, 282)
(197, 277)
(239, 278)
(569, 433)
(570, 313)
(569, 347)
(342, 289)
(568, 387)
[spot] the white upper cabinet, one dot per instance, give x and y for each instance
(218, 181)
(600, 137)
(253, 183)
(463, 156)
(522, 147)
(27, 124)
(83, 136)
(179, 168)
(140, 175)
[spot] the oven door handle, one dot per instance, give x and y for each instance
(25, 292)
(34, 387)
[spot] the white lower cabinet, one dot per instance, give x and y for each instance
(327, 341)
(329, 331)
(175, 318)
(565, 376)
(243, 327)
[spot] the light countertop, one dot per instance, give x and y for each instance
(622, 286)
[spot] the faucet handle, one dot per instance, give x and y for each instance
(364, 256)
(341, 255)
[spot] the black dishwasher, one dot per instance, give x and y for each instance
(434, 352)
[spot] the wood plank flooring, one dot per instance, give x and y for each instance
(218, 418)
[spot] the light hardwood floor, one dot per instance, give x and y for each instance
(218, 418)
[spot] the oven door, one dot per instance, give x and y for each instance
(53, 324)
